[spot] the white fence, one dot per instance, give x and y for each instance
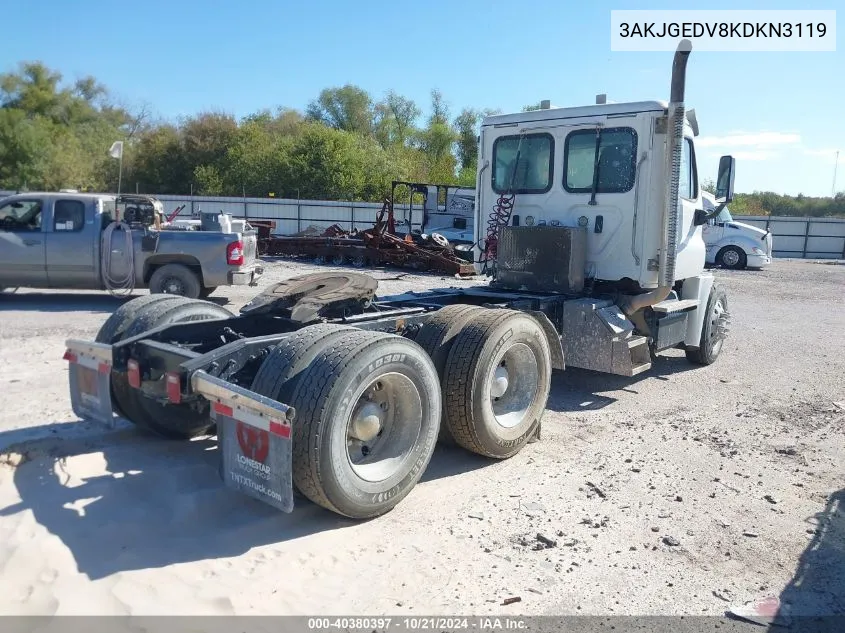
(812, 238)
(816, 238)
(293, 215)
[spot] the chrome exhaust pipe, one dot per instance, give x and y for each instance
(677, 116)
(669, 245)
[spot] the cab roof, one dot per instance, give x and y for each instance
(551, 114)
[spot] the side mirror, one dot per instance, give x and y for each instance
(700, 217)
(725, 180)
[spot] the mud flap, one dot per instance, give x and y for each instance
(89, 379)
(254, 439)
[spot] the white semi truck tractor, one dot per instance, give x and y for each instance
(588, 223)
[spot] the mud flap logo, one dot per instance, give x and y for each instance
(254, 443)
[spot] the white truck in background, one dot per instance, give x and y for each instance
(731, 244)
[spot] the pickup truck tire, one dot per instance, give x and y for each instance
(135, 317)
(713, 330)
(436, 337)
(367, 417)
(497, 382)
(176, 279)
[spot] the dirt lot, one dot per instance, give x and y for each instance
(681, 491)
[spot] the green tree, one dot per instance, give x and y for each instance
(394, 120)
(347, 108)
(160, 164)
(436, 142)
(24, 142)
(335, 165)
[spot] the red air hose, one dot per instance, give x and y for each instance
(500, 217)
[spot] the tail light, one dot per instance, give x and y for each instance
(134, 371)
(174, 387)
(235, 253)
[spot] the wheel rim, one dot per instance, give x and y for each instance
(718, 323)
(173, 286)
(384, 427)
(514, 383)
(730, 257)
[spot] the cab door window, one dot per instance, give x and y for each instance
(688, 183)
(68, 215)
(21, 216)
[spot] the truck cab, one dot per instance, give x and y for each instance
(599, 167)
(734, 245)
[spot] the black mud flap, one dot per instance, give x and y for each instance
(254, 439)
(89, 380)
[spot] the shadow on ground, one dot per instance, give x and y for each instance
(814, 600)
(68, 302)
(123, 500)
(583, 390)
(61, 302)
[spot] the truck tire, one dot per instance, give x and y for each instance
(436, 338)
(732, 257)
(135, 311)
(713, 330)
(135, 317)
(283, 367)
(112, 330)
(175, 279)
(367, 417)
(497, 382)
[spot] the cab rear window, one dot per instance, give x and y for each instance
(617, 152)
(523, 164)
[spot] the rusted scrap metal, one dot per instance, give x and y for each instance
(375, 246)
(264, 229)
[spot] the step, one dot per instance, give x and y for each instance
(636, 341)
(673, 307)
(638, 369)
(640, 355)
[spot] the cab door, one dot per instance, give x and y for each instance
(22, 244)
(71, 253)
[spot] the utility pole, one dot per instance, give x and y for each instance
(835, 166)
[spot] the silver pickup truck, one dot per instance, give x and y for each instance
(71, 240)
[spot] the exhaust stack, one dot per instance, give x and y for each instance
(669, 245)
(677, 115)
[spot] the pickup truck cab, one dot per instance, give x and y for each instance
(732, 244)
(63, 240)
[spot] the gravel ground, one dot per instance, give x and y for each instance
(684, 490)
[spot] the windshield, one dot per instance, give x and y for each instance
(724, 216)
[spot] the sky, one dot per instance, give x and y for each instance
(778, 113)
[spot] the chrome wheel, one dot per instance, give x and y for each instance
(718, 326)
(730, 258)
(384, 427)
(514, 384)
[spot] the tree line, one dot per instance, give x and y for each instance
(345, 145)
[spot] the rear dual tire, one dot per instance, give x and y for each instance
(134, 317)
(496, 382)
(367, 415)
